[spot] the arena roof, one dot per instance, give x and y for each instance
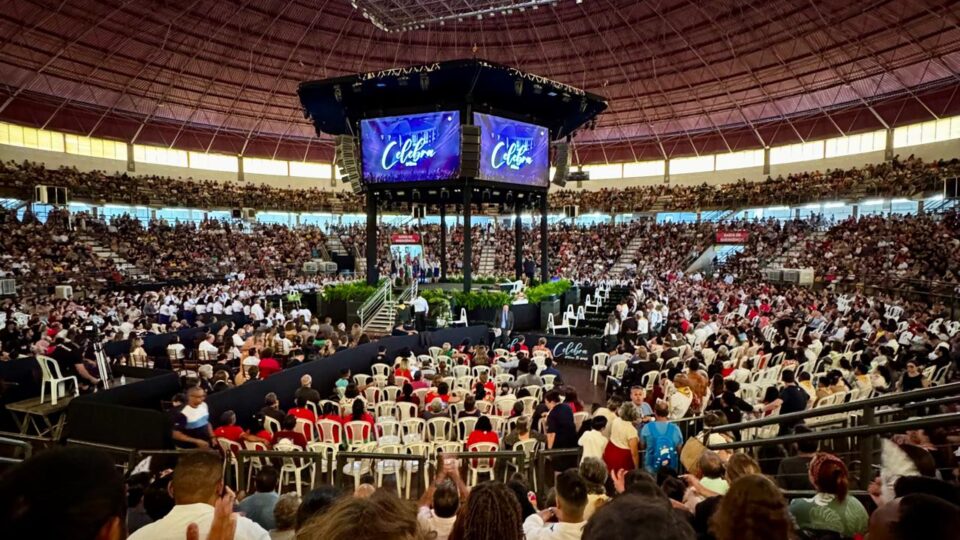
(682, 76)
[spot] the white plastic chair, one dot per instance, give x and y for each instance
(551, 325)
(480, 466)
(354, 432)
(439, 429)
(413, 430)
(307, 428)
(292, 468)
(462, 320)
(359, 467)
(271, 424)
(528, 447)
(382, 370)
(328, 459)
(387, 467)
(386, 409)
(599, 366)
(411, 467)
(406, 410)
(51, 376)
(331, 431)
(465, 426)
(435, 352)
(590, 305)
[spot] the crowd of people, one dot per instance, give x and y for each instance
(710, 345)
(897, 178)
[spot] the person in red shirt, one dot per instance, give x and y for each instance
(289, 432)
(359, 414)
(403, 369)
(232, 432)
(268, 364)
(488, 386)
(520, 346)
(441, 393)
(332, 412)
(301, 410)
(482, 433)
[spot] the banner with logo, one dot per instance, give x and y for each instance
(569, 348)
(411, 148)
(513, 152)
(405, 238)
(732, 237)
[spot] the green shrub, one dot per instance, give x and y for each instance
(354, 291)
(479, 299)
(541, 292)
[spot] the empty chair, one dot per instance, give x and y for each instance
(386, 466)
(599, 366)
(413, 430)
(293, 468)
(406, 410)
(328, 459)
(466, 425)
(440, 429)
(381, 369)
(386, 409)
(411, 467)
(52, 378)
(462, 321)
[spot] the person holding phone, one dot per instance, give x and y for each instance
(439, 505)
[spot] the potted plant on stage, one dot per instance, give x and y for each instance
(481, 306)
(341, 301)
(548, 296)
(439, 314)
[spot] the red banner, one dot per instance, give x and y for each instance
(732, 237)
(404, 238)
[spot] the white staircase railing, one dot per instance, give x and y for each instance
(409, 293)
(373, 305)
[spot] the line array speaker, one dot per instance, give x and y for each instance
(347, 159)
(562, 164)
(469, 151)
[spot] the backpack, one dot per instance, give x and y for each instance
(664, 450)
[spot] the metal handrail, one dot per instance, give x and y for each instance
(372, 306)
(409, 293)
(887, 399)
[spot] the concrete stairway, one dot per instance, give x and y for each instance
(335, 246)
(488, 257)
(128, 269)
(384, 321)
(628, 256)
(793, 250)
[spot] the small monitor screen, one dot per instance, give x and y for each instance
(411, 148)
(513, 152)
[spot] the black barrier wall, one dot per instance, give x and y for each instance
(575, 349)
(129, 416)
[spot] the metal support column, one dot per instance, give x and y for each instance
(517, 242)
(443, 242)
(544, 257)
(467, 240)
(373, 275)
(866, 445)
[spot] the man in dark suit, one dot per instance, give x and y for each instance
(503, 323)
(529, 268)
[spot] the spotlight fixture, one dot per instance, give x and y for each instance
(538, 89)
(444, 194)
(424, 81)
(415, 195)
(403, 80)
(357, 86)
(337, 93)
(517, 87)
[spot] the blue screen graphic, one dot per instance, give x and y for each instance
(513, 152)
(411, 148)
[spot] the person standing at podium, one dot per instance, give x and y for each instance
(420, 310)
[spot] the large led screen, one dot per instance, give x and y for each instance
(411, 148)
(513, 152)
